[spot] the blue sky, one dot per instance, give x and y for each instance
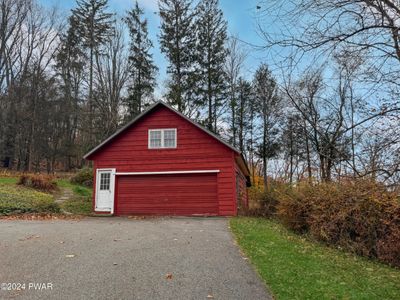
(240, 15)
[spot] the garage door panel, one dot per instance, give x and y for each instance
(183, 194)
(188, 194)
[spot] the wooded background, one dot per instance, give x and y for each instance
(324, 105)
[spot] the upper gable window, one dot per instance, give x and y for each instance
(162, 138)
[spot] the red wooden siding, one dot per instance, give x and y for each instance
(184, 194)
(241, 188)
(196, 150)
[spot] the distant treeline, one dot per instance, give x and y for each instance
(68, 82)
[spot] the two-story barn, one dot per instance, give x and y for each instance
(163, 163)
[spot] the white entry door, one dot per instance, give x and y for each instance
(105, 190)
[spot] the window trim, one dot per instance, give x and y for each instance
(162, 138)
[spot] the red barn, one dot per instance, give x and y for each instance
(162, 163)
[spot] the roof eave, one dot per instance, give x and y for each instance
(110, 138)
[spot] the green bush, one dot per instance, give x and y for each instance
(83, 177)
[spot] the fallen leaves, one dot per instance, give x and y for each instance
(143, 217)
(29, 237)
(41, 217)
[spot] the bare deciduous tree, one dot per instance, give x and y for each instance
(111, 77)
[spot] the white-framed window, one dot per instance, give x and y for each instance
(105, 181)
(162, 138)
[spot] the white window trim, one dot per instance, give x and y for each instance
(162, 138)
(168, 172)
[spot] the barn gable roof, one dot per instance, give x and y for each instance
(149, 110)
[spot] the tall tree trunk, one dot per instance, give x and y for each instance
(233, 124)
(291, 157)
(264, 155)
(210, 104)
(308, 155)
(32, 128)
(353, 155)
(322, 167)
(90, 98)
(265, 172)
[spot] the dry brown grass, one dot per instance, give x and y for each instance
(39, 182)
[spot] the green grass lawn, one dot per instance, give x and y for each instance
(8, 180)
(16, 199)
(295, 268)
(78, 206)
(81, 203)
(79, 190)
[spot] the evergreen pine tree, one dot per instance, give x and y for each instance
(269, 104)
(141, 66)
(177, 41)
(94, 26)
(70, 59)
(233, 64)
(243, 122)
(210, 56)
(69, 65)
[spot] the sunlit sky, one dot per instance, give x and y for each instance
(240, 14)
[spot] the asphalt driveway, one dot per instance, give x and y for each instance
(121, 258)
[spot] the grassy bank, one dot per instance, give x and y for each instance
(16, 199)
(81, 202)
(295, 268)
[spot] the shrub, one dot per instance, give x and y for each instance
(255, 204)
(360, 216)
(293, 207)
(38, 182)
(83, 177)
(388, 248)
(263, 203)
